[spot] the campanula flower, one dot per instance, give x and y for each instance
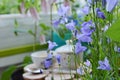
(87, 63)
(103, 3)
(89, 1)
(51, 45)
(58, 57)
(56, 23)
(117, 49)
(111, 5)
(34, 13)
(49, 56)
(63, 10)
(104, 65)
(47, 63)
(63, 20)
(86, 10)
(70, 26)
(87, 27)
(79, 48)
(100, 14)
(84, 38)
(80, 71)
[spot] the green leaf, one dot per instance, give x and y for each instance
(6, 75)
(114, 31)
(27, 60)
(16, 23)
(31, 32)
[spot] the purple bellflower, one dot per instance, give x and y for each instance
(79, 48)
(58, 57)
(56, 23)
(86, 10)
(80, 71)
(47, 63)
(87, 63)
(89, 1)
(51, 45)
(103, 3)
(70, 26)
(111, 5)
(84, 38)
(104, 65)
(49, 56)
(87, 28)
(100, 14)
(117, 49)
(63, 10)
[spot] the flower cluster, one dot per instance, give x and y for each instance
(91, 30)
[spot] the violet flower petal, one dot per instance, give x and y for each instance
(111, 5)
(104, 65)
(58, 57)
(84, 38)
(70, 26)
(86, 10)
(51, 45)
(79, 48)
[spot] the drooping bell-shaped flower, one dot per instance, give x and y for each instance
(104, 65)
(70, 26)
(89, 1)
(79, 48)
(86, 10)
(22, 8)
(63, 10)
(51, 45)
(103, 3)
(87, 63)
(111, 5)
(34, 13)
(84, 38)
(44, 6)
(56, 23)
(47, 63)
(100, 14)
(87, 27)
(80, 71)
(58, 57)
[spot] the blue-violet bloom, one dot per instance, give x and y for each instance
(58, 57)
(103, 3)
(63, 10)
(70, 26)
(79, 48)
(56, 23)
(87, 63)
(111, 5)
(100, 14)
(104, 65)
(47, 63)
(80, 71)
(84, 38)
(51, 45)
(86, 10)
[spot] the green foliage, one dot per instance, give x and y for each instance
(44, 29)
(27, 60)
(114, 31)
(8, 6)
(6, 75)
